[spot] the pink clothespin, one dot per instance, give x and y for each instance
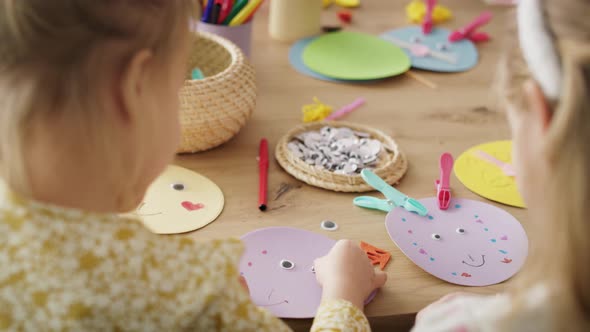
(427, 23)
(469, 31)
(443, 189)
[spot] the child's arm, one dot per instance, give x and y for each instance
(463, 313)
(445, 314)
(338, 316)
(208, 290)
(471, 313)
(347, 278)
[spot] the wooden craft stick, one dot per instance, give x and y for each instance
(421, 79)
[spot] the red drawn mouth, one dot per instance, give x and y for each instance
(507, 261)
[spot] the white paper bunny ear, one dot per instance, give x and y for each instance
(538, 48)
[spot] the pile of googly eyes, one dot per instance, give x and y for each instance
(338, 150)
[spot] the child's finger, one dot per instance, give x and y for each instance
(380, 279)
(317, 264)
(244, 284)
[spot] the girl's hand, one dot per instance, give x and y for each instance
(244, 284)
(346, 273)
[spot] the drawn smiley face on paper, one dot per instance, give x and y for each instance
(180, 201)
(463, 52)
(471, 244)
(278, 267)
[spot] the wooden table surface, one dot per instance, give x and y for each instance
(425, 122)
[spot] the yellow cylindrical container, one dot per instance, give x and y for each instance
(291, 20)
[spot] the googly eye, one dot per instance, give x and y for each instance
(460, 231)
(178, 186)
(443, 46)
(415, 39)
(329, 225)
(436, 237)
(287, 264)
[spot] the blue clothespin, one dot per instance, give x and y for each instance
(394, 198)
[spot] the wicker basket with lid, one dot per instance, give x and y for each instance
(214, 109)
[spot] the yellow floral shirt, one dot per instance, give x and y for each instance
(67, 270)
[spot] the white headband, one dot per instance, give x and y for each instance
(538, 49)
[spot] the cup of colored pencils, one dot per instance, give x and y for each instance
(231, 19)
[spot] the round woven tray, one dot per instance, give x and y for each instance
(214, 109)
(391, 167)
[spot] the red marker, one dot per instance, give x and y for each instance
(226, 6)
(263, 169)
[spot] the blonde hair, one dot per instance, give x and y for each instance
(55, 53)
(560, 255)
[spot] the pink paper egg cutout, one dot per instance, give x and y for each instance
(471, 244)
(278, 267)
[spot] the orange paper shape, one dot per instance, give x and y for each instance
(376, 255)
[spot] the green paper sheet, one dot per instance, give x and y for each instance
(355, 56)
